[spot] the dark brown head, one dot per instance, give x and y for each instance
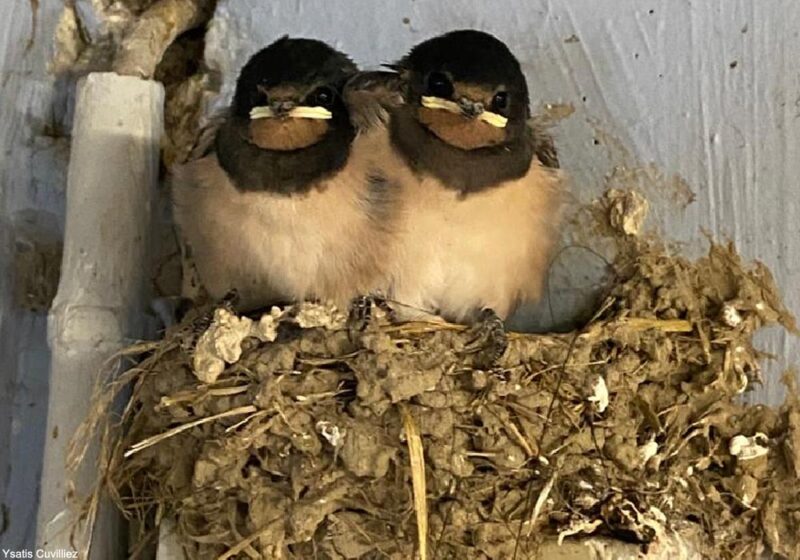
(289, 125)
(468, 89)
(465, 118)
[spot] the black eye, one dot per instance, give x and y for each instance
(500, 101)
(259, 97)
(439, 85)
(322, 97)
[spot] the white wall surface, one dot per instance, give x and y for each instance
(701, 95)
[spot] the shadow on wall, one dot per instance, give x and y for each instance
(576, 283)
(23, 377)
(7, 372)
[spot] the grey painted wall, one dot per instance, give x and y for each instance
(33, 158)
(673, 94)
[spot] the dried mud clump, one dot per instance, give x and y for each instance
(630, 428)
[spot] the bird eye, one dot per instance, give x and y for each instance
(259, 97)
(322, 97)
(440, 85)
(500, 101)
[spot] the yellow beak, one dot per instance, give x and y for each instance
(301, 112)
(486, 116)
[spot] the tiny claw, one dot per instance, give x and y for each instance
(489, 341)
(362, 313)
(231, 299)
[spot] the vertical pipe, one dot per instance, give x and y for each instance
(111, 187)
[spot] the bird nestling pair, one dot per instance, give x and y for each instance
(426, 186)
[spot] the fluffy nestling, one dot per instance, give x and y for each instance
(289, 205)
(481, 213)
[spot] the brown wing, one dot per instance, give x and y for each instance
(204, 143)
(544, 147)
(371, 95)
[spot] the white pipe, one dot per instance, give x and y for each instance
(111, 188)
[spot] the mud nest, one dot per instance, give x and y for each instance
(290, 435)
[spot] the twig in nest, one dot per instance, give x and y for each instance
(666, 325)
(201, 393)
(239, 424)
(551, 406)
(149, 442)
(105, 391)
(422, 327)
(540, 501)
(244, 544)
(417, 458)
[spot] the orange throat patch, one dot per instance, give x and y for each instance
(286, 134)
(459, 131)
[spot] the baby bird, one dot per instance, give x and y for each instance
(480, 216)
(291, 204)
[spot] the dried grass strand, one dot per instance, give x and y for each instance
(417, 459)
(158, 438)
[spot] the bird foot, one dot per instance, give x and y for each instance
(231, 299)
(363, 314)
(489, 339)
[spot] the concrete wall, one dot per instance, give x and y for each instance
(682, 97)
